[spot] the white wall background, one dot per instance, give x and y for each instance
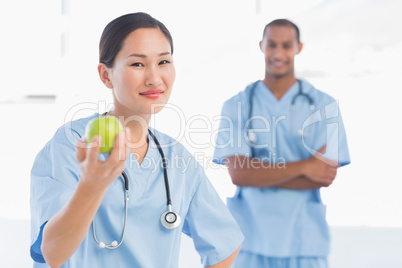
(352, 50)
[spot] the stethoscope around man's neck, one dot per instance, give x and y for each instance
(169, 219)
(252, 137)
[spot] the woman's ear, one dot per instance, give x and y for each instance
(104, 74)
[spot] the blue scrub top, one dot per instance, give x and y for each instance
(279, 222)
(54, 178)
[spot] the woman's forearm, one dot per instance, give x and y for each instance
(65, 231)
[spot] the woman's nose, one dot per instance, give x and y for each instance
(153, 77)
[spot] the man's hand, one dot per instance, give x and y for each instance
(320, 170)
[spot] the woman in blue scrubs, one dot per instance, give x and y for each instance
(72, 185)
(282, 140)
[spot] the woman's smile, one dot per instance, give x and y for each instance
(152, 93)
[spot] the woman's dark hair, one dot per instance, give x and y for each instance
(114, 34)
(283, 22)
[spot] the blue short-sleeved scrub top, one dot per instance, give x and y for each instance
(205, 218)
(279, 222)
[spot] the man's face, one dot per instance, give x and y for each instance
(280, 46)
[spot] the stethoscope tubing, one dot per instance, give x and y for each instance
(165, 223)
(300, 93)
(167, 188)
(110, 246)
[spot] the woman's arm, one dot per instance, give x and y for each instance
(66, 230)
(226, 263)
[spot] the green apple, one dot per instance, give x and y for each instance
(105, 126)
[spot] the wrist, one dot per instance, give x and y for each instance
(304, 167)
(88, 188)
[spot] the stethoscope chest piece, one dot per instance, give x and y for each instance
(170, 219)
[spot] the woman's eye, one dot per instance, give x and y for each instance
(137, 64)
(164, 62)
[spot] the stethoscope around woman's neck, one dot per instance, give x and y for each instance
(169, 219)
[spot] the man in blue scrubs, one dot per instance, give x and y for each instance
(282, 140)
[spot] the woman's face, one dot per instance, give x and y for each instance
(143, 73)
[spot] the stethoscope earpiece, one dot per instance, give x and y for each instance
(112, 245)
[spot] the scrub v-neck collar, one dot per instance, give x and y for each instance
(268, 94)
(139, 174)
